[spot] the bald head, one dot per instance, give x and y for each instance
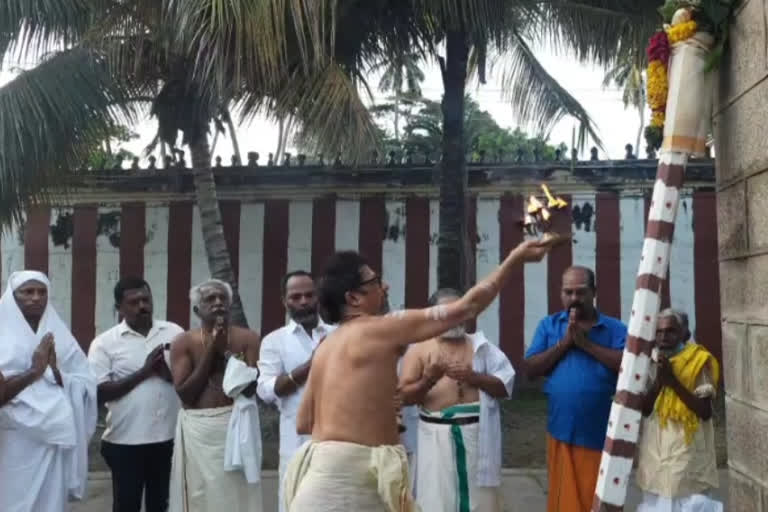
(578, 291)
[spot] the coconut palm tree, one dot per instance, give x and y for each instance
(402, 76)
(121, 57)
(309, 58)
(344, 39)
(52, 116)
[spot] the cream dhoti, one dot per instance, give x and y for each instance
(199, 482)
(334, 476)
(448, 462)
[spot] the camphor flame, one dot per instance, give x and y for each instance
(538, 217)
(553, 202)
(534, 205)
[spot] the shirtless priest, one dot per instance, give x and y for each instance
(199, 358)
(457, 379)
(354, 460)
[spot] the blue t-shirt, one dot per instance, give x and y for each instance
(580, 388)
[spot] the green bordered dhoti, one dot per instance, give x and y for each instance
(447, 458)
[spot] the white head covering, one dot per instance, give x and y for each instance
(42, 409)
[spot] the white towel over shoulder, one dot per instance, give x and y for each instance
(243, 446)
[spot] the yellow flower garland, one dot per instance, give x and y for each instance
(658, 85)
(657, 119)
(682, 31)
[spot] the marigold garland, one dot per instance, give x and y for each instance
(659, 49)
(658, 85)
(682, 19)
(681, 32)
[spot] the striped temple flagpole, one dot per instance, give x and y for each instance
(625, 418)
(688, 109)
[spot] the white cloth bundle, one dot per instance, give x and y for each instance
(689, 101)
(243, 445)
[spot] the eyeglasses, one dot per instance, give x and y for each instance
(375, 279)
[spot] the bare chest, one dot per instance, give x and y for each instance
(451, 353)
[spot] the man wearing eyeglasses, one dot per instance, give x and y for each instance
(354, 460)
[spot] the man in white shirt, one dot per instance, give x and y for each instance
(286, 357)
(130, 363)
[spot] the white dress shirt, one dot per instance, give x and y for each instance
(282, 351)
(148, 413)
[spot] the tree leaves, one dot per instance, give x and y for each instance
(51, 117)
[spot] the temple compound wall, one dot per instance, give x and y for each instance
(740, 126)
(277, 219)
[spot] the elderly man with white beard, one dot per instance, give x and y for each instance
(457, 379)
(48, 402)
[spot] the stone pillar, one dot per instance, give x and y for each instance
(740, 129)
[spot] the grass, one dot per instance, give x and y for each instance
(524, 427)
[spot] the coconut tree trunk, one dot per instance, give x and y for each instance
(280, 131)
(215, 141)
(233, 136)
(453, 248)
(219, 262)
(285, 134)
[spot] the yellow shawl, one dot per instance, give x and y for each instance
(686, 366)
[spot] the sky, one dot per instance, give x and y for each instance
(616, 125)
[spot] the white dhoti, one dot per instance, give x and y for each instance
(32, 475)
(694, 503)
(199, 482)
(334, 476)
(447, 466)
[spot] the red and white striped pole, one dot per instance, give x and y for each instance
(687, 122)
(625, 418)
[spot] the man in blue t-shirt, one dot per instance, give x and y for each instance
(579, 350)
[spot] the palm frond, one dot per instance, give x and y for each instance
(50, 119)
(33, 27)
(536, 97)
(245, 41)
(135, 44)
(597, 31)
(488, 17)
(329, 110)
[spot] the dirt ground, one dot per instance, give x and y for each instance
(524, 424)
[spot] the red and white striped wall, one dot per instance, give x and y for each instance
(163, 243)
